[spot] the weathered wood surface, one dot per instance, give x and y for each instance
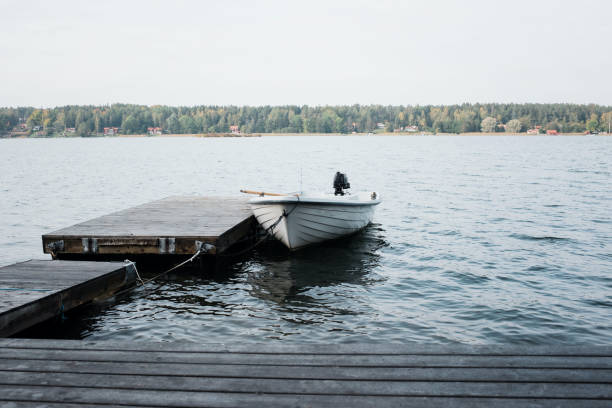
(36, 290)
(189, 375)
(169, 226)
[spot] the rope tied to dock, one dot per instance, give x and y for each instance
(130, 264)
(201, 250)
(144, 282)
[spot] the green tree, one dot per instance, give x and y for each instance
(35, 118)
(513, 126)
(606, 121)
(328, 122)
(466, 120)
(4, 122)
(188, 124)
(295, 123)
(593, 124)
(130, 125)
(82, 129)
(488, 124)
(173, 125)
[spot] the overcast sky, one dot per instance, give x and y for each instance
(304, 52)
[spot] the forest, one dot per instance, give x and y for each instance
(137, 119)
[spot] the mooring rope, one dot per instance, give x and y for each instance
(133, 264)
(144, 282)
(269, 230)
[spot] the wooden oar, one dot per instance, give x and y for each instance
(261, 193)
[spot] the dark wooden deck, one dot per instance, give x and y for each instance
(34, 291)
(171, 226)
(85, 373)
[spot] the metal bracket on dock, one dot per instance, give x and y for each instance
(205, 247)
(167, 245)
(89, 245)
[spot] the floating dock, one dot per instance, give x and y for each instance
(171, 226)
(86, 373)
(34, 291)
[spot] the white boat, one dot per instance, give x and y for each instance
(301, 220)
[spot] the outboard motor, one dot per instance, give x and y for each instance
(340, 183)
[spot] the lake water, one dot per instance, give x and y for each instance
(478, 240)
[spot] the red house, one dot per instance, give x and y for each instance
(154, 131)
(552, 132)
(110, 131)
(235, 129)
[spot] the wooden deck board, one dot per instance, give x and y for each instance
(479, 374)
(181, 374)
(171, 216)
(33, 291)
(362, 387)
(147, 228)
(327, 349)
(149, 398)
(308, 360)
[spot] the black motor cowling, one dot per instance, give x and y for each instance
(340, 183)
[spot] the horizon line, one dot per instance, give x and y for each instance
(307, 105)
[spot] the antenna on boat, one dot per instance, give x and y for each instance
(301, 192)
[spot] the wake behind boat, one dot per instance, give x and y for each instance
(299, 220)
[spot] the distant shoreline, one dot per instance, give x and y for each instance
(246, 135)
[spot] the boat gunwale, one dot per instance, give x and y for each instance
(306, 201)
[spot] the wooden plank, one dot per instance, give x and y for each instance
(156, 398)
(47, 404)
(44, 267)
(35, 291)
(315, 387)
(172, 216)
(307, 360)
(180, 374)
(321, 373)
(220, 221)
(323, 349)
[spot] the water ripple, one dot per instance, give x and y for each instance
(478, 240)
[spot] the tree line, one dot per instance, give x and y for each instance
(136, 119)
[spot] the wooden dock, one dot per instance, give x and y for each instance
(86, 373)
(171, 226)
(34, 291)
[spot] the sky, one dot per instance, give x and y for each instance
(55, 53)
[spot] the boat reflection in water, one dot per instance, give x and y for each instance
(281, 277)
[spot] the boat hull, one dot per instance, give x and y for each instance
(298, 224)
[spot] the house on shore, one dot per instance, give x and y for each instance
(534, 131)
(409, 128)
(153, 131)
(111, 131)
(235, 129)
